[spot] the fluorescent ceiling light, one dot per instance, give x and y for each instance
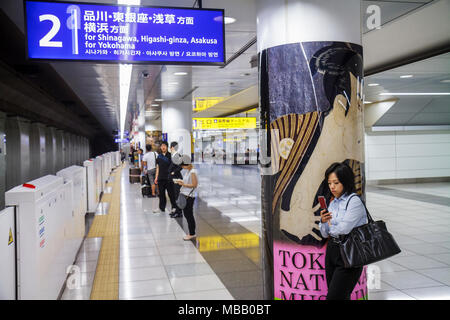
(415, 94)
(155, 105)
(174, 83)
(445, 81)
(180, 73)
(159, 99)
(229, 20)
(125, 71)
(124, 89)
(406, 76)
(373, 84)
(129, 2)
(367, 101)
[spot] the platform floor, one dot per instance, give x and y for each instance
(225, 262)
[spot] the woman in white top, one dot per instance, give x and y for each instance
(188, 186)
(149, 167)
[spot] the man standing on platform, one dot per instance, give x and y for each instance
(175, 173)
(163, 162)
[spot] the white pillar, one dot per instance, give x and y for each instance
(153, 125)
(310, 63)
(176, 118)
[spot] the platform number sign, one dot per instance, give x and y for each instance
(73, 23)
(132, 34)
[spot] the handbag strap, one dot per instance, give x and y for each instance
(369, 217)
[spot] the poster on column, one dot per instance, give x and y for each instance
(313, 110)
(119, 33)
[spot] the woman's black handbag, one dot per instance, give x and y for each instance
(367, 244)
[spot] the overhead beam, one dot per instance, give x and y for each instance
(421, 34)
(374, 111)
(242, 101)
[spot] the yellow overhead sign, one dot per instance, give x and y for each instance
(205, 103)
(223, 123)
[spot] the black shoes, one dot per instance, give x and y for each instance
(176, 215)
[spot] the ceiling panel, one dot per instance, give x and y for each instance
(97, 85)
(428, 76)
(390, 10)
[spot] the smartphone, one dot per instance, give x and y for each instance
(323, 202)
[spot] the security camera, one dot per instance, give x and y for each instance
(145, 75)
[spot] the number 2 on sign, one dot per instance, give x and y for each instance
(46, 41)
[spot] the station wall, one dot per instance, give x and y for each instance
(30, 150)
(399, 155)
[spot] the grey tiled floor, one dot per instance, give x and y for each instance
(421, 228)
(155, 263)
(86, 263)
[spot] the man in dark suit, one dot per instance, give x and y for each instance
(163, 162)
(175, 173)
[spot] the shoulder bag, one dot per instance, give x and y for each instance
(181, 200)
(367, 244)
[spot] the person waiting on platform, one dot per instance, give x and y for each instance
(149, 167)
(163, 162)
(175, 173)
(345, 212)
(188, 187)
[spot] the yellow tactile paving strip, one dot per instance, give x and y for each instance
(106, 280)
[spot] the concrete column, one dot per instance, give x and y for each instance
(311, 80)
(60, 150)
(67, 150)
(176, 118)
(2, 159)
(17, 151)
(37, 150)
(50, 150)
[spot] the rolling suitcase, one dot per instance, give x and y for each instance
(146, 188)
(146, 191)
(135, 175)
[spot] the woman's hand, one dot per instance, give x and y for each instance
(325, 216)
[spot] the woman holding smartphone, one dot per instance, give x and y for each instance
(345, 212)
(188, 186)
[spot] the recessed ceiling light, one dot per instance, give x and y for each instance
(406, 76)
(373, 84)
(159, 99)
(180, 73)
(229, 20)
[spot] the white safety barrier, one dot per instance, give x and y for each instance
(43, 210)
(104, 174)
(47, 215)
(106, 168)
(91, 188)
(7, 254)
(98, 178)
(118, 158)
(76, 227)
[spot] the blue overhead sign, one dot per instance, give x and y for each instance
(131, 34)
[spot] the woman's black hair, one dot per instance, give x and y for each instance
(345, 175)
